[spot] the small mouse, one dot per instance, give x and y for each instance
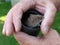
(31, 21)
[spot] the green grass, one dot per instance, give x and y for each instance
(4, 8)
(56, 24)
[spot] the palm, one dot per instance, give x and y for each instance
(51, 39)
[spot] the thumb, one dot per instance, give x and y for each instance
(48, 18)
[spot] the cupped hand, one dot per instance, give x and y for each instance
(52, 38)
(13, 20)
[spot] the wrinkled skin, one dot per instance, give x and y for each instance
(14, 16)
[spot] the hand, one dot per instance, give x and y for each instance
(14, 16)
(52, 38)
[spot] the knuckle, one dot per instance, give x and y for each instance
(54, 9)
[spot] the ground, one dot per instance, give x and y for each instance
(4, 8)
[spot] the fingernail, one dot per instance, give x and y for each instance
(3, 32)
